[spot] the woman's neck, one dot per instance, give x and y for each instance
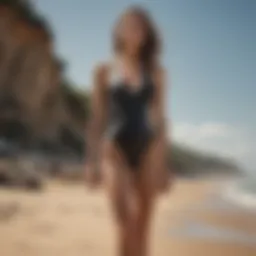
(131, 60)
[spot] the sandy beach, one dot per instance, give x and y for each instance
(69, 220)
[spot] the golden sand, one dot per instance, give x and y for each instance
(68, 220)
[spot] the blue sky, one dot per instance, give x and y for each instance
(209, 52)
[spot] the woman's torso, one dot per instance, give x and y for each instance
(129, 108)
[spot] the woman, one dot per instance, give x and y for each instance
(128, 129)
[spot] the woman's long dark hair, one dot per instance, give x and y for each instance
(150, 51)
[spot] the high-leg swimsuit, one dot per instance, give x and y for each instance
(128, 121)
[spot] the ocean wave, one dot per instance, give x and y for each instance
(243, 192)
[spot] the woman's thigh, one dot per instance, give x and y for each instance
(150, 170)
(118, 180)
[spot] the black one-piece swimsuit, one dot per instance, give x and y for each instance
(128, 121)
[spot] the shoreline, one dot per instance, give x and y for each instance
(231, 189)
(237, 195)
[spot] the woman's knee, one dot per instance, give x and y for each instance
(121, 208)
(145, 203)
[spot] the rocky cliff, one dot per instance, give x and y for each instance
(32, 101)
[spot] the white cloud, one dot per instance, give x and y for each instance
(218, 138)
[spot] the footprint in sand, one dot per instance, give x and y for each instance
(8, 211)
(44, 228)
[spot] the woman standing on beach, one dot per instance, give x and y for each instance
(127, 134)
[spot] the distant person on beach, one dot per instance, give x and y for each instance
(127, 131)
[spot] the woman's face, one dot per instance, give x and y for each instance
(132, 33)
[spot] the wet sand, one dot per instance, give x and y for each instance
(69, 220)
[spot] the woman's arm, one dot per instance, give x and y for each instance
(159, 106)
(97, 118)
(159, 113)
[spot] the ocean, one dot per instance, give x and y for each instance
(243, 191)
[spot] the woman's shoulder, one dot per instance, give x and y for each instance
(107, 72)
(101, 70)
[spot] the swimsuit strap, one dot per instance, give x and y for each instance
(116, 74)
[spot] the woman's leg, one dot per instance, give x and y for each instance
(146, 187)
(145, 205)
(118, 180)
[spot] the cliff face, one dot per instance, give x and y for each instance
(30, 76)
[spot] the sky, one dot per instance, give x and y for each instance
(209, 53)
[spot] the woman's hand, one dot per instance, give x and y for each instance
(92, 176)
(163, 184)
(166, 180)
